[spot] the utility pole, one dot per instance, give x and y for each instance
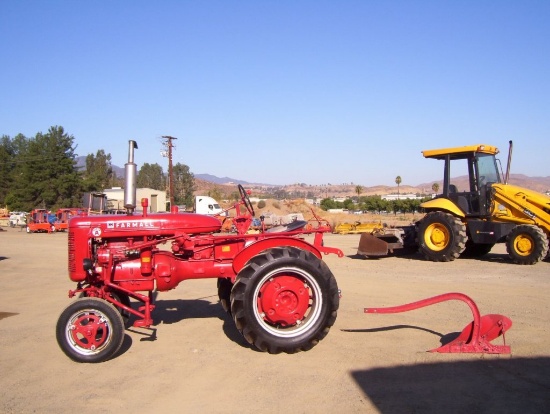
(169, 145)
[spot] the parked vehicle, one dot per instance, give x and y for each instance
(41, 221)
(280, 294)
(471, 220)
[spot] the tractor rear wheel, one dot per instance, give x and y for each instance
(527, 244)
(90, 330)
(284, 300)
(441, 237)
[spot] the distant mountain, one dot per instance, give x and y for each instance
(540, 184)
(220, 180)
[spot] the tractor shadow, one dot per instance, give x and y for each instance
(490, 384)
(176, 310)
(3, 258)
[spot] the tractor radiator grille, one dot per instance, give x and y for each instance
(72, 260)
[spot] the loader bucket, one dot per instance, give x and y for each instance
(476, 337)
(379, 244)
(370, 245)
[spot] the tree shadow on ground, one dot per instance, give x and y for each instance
(492, 384)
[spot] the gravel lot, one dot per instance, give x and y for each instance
(200, 363)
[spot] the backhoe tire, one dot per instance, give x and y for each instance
(284, 300)
(441, 237)
(527, 244)
(476, 249)
(90, 330)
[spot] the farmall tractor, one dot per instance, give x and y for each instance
(279, 292)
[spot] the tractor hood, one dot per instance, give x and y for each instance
(151, 224)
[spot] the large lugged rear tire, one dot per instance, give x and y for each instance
(90, 330)
(284, 300)
(441, 237)
(527, 244)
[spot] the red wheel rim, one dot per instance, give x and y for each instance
(284, 300)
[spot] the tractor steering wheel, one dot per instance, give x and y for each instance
(246, 200)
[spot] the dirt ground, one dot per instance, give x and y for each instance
(200, 363)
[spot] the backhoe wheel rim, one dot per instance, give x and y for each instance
(288, 302)
(437, 237)
(524, 245)
(88, 332)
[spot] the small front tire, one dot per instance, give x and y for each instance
(90, 330)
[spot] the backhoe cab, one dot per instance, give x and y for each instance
(469, 221)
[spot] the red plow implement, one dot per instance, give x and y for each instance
(476, 337)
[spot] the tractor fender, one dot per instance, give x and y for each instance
(264, 244)
(443, 204)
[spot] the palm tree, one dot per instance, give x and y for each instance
(435, 187)
(358, 190)
(398, 182)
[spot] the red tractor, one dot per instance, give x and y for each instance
(40, 220)
(62, 218)
(281, 295)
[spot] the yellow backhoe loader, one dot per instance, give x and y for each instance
(469, 221)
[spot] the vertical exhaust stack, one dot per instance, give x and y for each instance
(509, 162)
(130, 174)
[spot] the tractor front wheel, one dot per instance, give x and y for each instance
(527, 244)
(284, 300)
(90, 330)
(441, 237)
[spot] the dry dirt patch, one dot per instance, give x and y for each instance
(199, 362)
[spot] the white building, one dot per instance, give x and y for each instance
(410, 196)
(157, 199)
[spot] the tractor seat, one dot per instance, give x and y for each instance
(295, 225)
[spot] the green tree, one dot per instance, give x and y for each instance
(98, 173)
(358, 190)
(398, 182)
(435, 187)
(151, 176)
(328, 203)
(47, 176)
(184, 184)
(215, 193)
(7, 163)
(349, 204)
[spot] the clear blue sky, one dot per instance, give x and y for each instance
(282, 92)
